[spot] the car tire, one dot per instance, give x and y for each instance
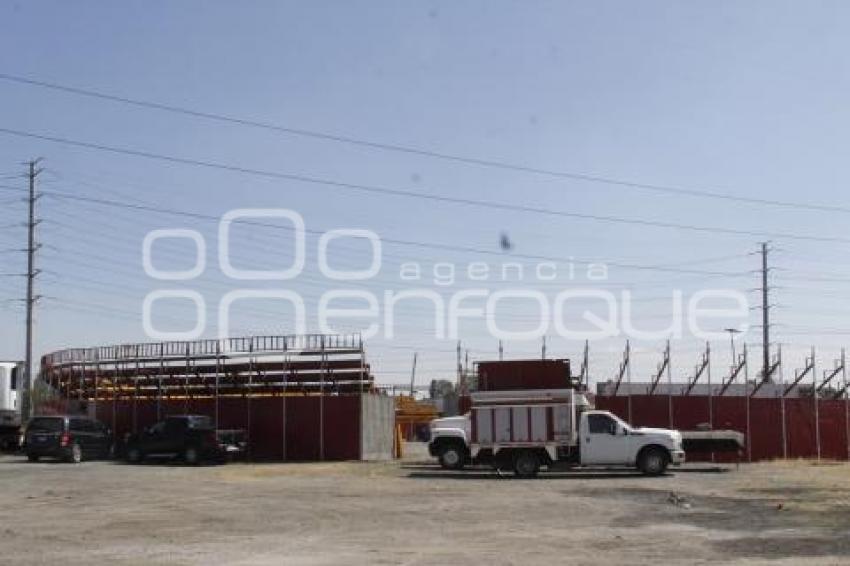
(526, 464)
(76, 454)
(451, 456)
(134, 455)
(653, 461)
(32, 457)
(192, 456)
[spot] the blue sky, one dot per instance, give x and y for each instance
(740, 98)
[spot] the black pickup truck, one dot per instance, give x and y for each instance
(192, 438)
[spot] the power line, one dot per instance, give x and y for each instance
(489, 163)
(414, 194)
(444, 247)
(697, 261)
(114, 239)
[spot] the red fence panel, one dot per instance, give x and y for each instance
(833, 429)
(800, 428)
(765, 440)
(279, 428)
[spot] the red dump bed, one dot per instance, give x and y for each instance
(523, 375)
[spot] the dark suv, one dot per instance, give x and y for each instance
(69, 438)
(190, 437)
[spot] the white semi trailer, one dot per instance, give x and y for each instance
(527, 429)
(11, 374)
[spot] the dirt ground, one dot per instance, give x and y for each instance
(414, 513)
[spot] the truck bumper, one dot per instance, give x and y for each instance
(677, 457)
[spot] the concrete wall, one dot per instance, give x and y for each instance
(377, 420)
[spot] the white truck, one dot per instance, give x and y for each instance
(527, 429)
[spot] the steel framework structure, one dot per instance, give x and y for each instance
(244, 366)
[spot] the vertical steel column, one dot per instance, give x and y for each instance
(747, 395)
(136, 391)
(159, 381)
(250, 383)
(114, 380)
(782, 408)
(217, 378)
(708, 380)
(322, 401)
(362, 362)
(710, 394)
(283, 424)
(629, 380)
(817, 409)
(846, 402)
(186, 381)
(669, 385)
(459, 368)
(82, 379)
(96, 379)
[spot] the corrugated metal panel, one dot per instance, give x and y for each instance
(520, 420)
(539, 424)
(765, 438)
(263, 417)
(502, 420)
(484, 426)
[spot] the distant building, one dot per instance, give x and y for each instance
(606, 389)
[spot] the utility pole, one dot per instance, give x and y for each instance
(732, 332)
(765, 313)
(584, 374)
(413, 375)
(26, 405)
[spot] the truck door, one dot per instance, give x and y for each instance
(153, 439)
(600, 443)
(174, 437)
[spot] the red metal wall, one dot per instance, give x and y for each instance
(263, 417)
(765, 430)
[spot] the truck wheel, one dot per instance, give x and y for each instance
(451, 457)
(76, 455)
(526, 464)
(134, 455)
(653, 461)
(191, 456)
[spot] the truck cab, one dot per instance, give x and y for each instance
(606, 440)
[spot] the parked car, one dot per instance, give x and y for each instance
(192, 438)
(67, 437)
